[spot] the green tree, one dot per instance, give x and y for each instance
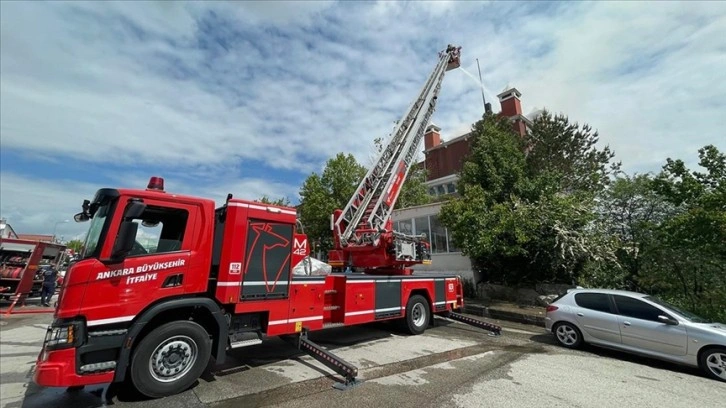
(322, 194)
(75, 245)
(631, 210)
(283, 201)
(557, 147)
(686, 262)
(524, 216)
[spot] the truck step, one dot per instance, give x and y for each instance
(245, 343)
(331, 324)
(331, 291)
(239, 339)
(331, 307)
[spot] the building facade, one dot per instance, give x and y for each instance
(443, 161)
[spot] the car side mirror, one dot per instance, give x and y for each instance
(667, 320)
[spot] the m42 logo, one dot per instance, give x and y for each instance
(300, 246)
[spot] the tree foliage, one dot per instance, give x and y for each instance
(322, 193)
(526, 210)
(75, 244)
(282, 201)
(557, 147)
(686, 261)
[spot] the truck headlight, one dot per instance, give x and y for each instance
(63, 335)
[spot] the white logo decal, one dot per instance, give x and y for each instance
(150, 267)
(300, 248)
(235, 268)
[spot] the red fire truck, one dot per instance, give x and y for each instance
(222, 278)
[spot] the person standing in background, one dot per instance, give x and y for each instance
(49, 277)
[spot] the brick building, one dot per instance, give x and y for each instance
(443, 161)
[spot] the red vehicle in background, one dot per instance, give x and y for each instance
(218, 278)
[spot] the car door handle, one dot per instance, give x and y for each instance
(580, 314)
(626, 323)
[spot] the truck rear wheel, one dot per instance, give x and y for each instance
(170, 358)
(418, 314)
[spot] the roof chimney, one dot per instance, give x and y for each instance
(509, 100)
(432, 137)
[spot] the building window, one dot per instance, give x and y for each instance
(438, 236)
(441, 190)
(421, 226)
(405, 226)
(432, 191)
(451, 188)
(450, 241)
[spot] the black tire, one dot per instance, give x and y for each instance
(567, 335)
(418, 314)
(716, 357)
(188, 339)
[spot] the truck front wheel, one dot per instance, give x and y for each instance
(170, 358)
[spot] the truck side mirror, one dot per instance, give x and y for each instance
(81, 217)
(134, 209)
(126, 236)
(124, 240)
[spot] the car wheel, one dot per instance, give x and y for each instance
(417, 314)
(170, 358)
(568, 335)
(713, 363)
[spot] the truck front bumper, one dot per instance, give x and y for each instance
(57, 368)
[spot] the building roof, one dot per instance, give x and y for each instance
(450, 142)
(36, 237)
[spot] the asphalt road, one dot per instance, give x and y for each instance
(452, 364)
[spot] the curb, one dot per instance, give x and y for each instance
(494, 313)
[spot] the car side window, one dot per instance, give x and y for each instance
(637, 309)
(593, 301)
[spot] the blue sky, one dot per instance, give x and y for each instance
(250, 98)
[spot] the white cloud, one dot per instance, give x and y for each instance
(205, 89)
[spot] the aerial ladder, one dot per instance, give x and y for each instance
(363, 234)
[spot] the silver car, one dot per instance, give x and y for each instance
(639, 324)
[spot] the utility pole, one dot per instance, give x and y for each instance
(487, 106)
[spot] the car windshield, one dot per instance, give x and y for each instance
(685, 314)
(94, 230)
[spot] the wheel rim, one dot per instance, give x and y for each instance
(566, 335)
(418, 314)
(173, 359)
(716, 363)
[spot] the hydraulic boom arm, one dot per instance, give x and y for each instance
(364, 224)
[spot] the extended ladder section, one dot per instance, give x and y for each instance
(367, 213)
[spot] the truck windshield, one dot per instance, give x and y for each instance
(93, 236)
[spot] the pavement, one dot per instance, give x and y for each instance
(506, 311)
(451, 364)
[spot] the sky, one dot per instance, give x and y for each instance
(250, 97)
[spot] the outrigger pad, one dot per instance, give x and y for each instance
(496, 330)
(347, 385)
